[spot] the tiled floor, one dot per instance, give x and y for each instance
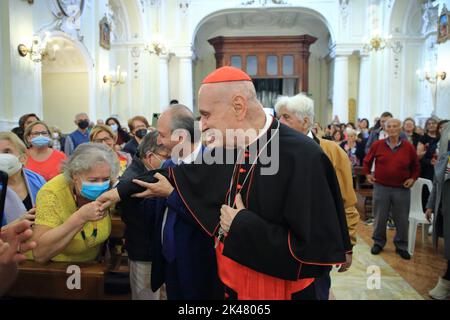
(399, 279)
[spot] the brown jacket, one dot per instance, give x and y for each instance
(342, 166)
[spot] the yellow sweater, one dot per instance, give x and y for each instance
(343, 169)
(54, 205)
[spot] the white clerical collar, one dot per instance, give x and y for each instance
(310, 134)
(191, 158)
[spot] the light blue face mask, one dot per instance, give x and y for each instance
(93, 190)
(40, 141)
(114, 127)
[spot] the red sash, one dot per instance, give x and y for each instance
(252, 285)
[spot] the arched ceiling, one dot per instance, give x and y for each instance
(63, 56)
(406, 18)
(280, 22)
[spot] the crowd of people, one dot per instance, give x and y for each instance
(264, 240)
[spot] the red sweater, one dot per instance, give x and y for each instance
(392, 167)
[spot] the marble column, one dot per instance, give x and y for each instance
(163, 82)
(340, 89)
(364, 88)
(185, 81)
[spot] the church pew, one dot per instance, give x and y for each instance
(364, 194)
(50, 281)
(117, 227)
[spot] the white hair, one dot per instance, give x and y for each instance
(300, 105)
(86, 156)
(78, 115)
(392, 120)
(351, 132)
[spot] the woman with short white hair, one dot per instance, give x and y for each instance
(353, 148)
(69, 224)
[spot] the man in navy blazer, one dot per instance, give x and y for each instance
(183, 254)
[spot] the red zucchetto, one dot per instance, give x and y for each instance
(226, 74)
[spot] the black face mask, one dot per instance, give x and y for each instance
(83, 124)
(141, 133)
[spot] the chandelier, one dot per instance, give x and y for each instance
(379, 43)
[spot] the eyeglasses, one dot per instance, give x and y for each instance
(163, 156)
(40, 133)
(105, 139)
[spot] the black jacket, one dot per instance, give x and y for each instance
(131, 147)
(139, 220)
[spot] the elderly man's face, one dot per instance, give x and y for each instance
(156, 159)
(165, 133)
(216, 115)
(290, 119)
(393, 128)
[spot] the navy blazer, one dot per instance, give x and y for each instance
(195, 257)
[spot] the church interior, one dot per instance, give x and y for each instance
(106, 71)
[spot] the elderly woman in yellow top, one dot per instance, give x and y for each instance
(69, 225)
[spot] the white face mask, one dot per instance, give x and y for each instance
(10, 164)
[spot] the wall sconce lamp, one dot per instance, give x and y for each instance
(157, 46)
(38, 50)
(431, 76)
(120, 77)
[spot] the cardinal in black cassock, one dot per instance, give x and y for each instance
(290, 226)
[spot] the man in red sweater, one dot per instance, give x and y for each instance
(396, 170)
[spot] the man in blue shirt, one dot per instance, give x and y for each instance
(79, 136)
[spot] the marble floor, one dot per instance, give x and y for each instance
(370, 278)
(387, 276)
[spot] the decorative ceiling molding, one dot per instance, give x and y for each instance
(344, 10)
(264, 3)
(390, 3)
(288, 19)
(264, 19)
(116, 18)
(68, 16)
(145, 4)
(184, 6)
(235, 21)
(430, 17)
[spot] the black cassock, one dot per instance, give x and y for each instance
(294, 224)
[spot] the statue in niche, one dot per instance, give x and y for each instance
(71, 8)
(68, 13)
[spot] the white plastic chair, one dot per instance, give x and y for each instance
(416, 214)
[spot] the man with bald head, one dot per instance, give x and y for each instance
(277, 234)
(397, 168)
(268, 196)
